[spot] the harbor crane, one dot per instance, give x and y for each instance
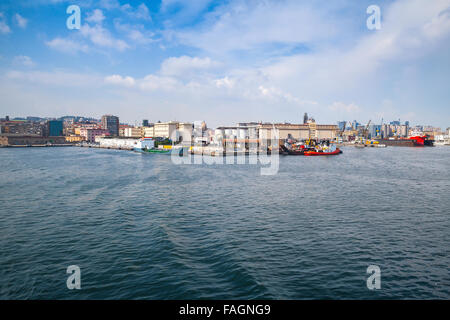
(366, 130)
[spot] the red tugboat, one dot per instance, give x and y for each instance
(323, 153)
(421, 141)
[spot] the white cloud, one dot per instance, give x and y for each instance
(250, 25)
(136, 33)
(23, 61)
(224, 83)
(186, 66)
(55, 78)
(342, 107)
(67, 46)
(183, 12)
(96, 16)
(109, 4)
(102, 37)
(119, 80)
(4, 28)
(438, 26)
(150, 82)
(154, 82)
(21, 21)
(141, 12)
(278, 94)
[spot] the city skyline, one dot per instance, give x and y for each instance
(222, 62)
(140, 123)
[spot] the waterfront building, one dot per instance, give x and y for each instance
(54, 128)
(29, 140)
(432, 131)
(23, 127)
(90, 134)
(111, 123)
(199, 129)
(135, 132)
(341, 125)
(74, 138)
(253, 131)
(374, 130)
(394, 129)
(117, 142)
(300, 131)
(185, 131)
(78, 126)
(148, 132)
(355, 124)
(385, 131)
(165, 129)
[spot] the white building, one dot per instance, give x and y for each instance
(185, 130)
(165, 129)
(133, 132)
(117, 142)
(148, 132)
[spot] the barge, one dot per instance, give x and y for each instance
(415, 141)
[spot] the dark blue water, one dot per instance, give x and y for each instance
(140, 227)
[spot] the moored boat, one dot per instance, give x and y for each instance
(147, 145)
(309, 147)
(323, 153)
(413, 141)
(154, 150)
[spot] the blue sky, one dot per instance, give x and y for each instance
(227, 61)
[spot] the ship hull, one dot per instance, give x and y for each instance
(411, 142)
(315, 153)
(163, 151)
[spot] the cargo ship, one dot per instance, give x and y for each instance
(414, 141)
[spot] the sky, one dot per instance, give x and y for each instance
(227, 61)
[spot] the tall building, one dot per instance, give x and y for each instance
(305, 118)
(374, 130)
(341, 125)
(111, 123)
(355, 124)
(54, 128)
(145, 123)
